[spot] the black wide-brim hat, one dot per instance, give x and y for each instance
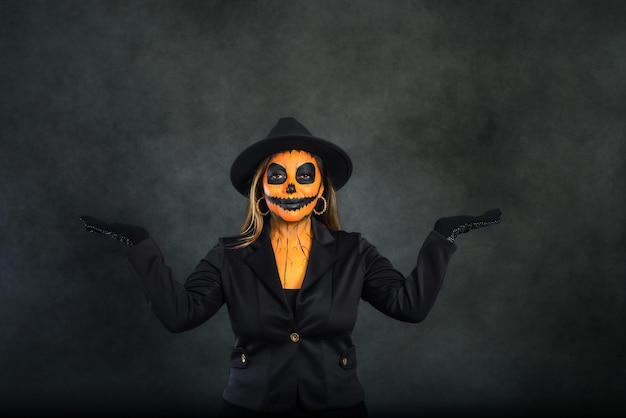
(289, 134)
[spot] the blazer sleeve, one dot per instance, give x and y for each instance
(179, 306)
(408, 298)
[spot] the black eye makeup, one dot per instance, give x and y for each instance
(306, 173)
(276, 174)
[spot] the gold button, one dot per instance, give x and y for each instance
(243, 358)
(344, 361)
(294, 337)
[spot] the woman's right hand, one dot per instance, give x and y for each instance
(128, 234)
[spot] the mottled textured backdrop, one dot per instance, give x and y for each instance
(132, 111)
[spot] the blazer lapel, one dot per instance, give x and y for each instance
(322, 254)
(261, 261)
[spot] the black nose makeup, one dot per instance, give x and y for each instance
(291, 188)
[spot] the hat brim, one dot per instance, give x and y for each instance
(337, 164)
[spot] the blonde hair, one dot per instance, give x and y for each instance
(254, 220)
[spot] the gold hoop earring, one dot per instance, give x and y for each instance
(258, 207)
(323, 210)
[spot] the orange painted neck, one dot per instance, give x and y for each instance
(291, 242)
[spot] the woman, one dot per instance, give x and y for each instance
(292, 279)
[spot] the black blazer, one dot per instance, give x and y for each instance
(278, 356)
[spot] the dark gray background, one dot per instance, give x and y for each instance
(132, 111)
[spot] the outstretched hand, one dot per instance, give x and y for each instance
(128, 234)
(452, 226)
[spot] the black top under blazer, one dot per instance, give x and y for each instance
(280, 357)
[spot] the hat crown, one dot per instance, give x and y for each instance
(288, 127)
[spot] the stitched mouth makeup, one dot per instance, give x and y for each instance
(291, 204)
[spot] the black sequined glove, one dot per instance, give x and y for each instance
(128, 234)
(452, 226)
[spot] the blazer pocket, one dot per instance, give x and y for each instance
(239, 358)
(348, 359)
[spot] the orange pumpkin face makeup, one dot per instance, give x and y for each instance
(292, 183)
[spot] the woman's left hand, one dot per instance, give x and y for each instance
(452, 226)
